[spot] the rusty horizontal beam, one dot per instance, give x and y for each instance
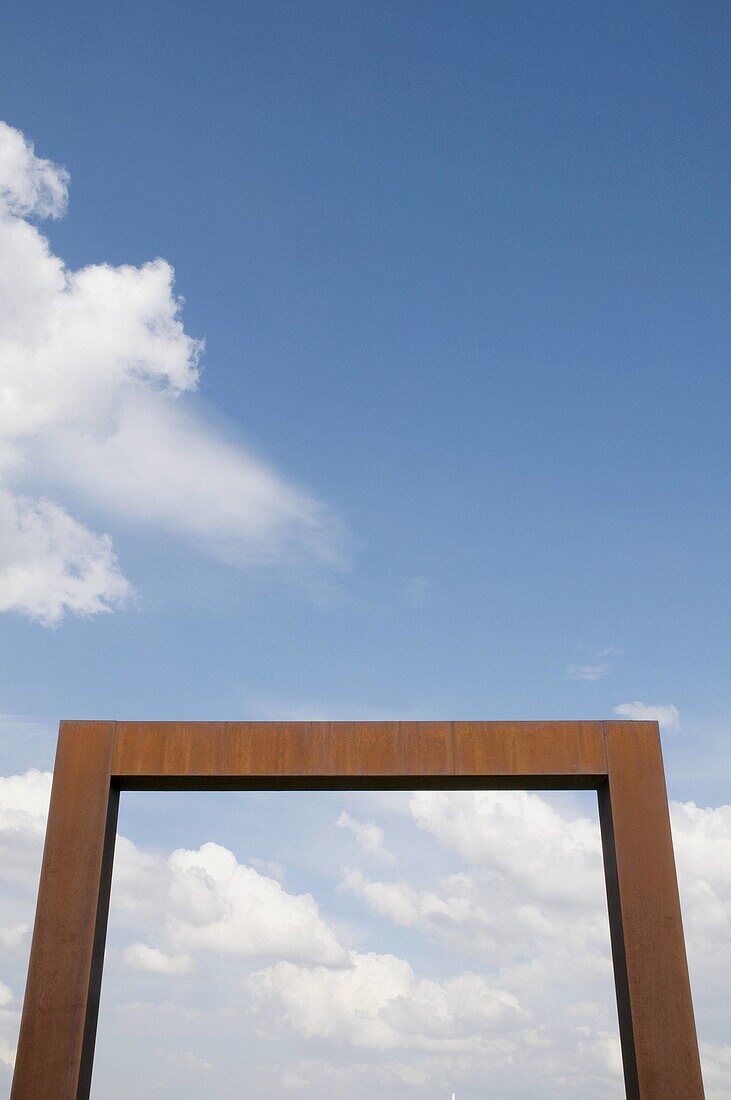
(359, 751)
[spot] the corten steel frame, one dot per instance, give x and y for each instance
(97, 760)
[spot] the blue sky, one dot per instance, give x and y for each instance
(457, 443)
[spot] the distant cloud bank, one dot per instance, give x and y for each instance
(522, 914)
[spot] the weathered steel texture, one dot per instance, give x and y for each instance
(657, 1028)
(560, 753)
(58, 1024)
(621, 760)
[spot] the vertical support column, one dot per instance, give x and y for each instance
(58, 1026)
(657, 1028)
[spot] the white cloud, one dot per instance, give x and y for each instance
(530, 908)
(50, 563)
(377, 1002)
(207, 900)
(95, 366)
(24, 801)
(489, 916)
(716, 1059)
(9, 1020)
(247, 912)
(702, 841)
(546, 943)
(13, 936)
(140, 956)
(666, 714)
(28, 184)
(557, 859)
(23, 808)
(398, 901)
(369, 837)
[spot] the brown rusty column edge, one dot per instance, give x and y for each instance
(657, 1027)
(58, 1025)
(619, 954)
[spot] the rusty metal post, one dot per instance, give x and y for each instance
(656, 1023)
(58, 1026)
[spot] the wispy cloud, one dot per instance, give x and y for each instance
(369, 837)
(593, 665)
(589, 673)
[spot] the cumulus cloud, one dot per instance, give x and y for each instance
(528, 909)
(377, 1002)
(96, 372)
(665, 714)
(23, 809)
(369, 837)
(551, 946)
(505, 909)
(13, 935)
(29, 185)
(24, 801)
(50, 563)
(205, 900)
(397, 900)
(488, 916)
(558, 859)
(140, 956)
(702, 840)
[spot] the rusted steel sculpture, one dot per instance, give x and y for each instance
(97, 760)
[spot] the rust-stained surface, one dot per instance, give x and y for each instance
(560, 753)
(95, 760)
(657, 1027)
(67, 951)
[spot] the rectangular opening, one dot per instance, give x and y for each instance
(346, 943)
